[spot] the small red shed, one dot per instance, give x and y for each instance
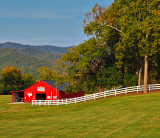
(43, 90)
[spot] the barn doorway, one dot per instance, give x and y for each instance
(40, 96)
(18, 96)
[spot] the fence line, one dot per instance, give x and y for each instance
(94, 96)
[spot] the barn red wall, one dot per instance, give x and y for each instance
(32, 91)
(63, 95)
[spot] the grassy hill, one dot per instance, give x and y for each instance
(28, 58)
(122, 117)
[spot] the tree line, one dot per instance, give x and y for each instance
(124, 49)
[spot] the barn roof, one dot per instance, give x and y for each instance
(60, 87)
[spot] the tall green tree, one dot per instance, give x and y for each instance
(12, 80)
(27, 80)
(12, 77)
(140, 21)
(58, 74)
(88, 65)
(137, 23)
(46, 74)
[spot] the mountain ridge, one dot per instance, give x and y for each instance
(29, 58)
(44, 48)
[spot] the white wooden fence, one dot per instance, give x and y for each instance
(95, 95)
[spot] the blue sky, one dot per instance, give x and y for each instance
(45, 22)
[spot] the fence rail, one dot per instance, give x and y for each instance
(95, 95)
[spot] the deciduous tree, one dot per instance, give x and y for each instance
(137, 25)
(12, 77)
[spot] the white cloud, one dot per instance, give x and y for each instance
(33, 15)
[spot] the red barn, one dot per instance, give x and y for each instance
(43, 90)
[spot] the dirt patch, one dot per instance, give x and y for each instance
(17, 103)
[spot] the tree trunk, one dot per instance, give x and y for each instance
(139, 76)
(100, 87)
(145, 74)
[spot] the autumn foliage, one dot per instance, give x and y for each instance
(13, 79)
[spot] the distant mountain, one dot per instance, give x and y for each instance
(40, 54)
(29, 58)
(13, 45)
(43, 48)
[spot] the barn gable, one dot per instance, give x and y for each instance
(60, 87)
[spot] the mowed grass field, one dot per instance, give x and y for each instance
(120, 117)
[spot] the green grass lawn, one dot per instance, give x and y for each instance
(123, 116)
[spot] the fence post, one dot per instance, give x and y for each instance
(75, 101)
(149, 87)
(57, 102)
(94, 96)
(107, 93)
(126, 90)
(137, 89)
(115, 92)
(104, 94)
(39, 102)
(66, 101)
